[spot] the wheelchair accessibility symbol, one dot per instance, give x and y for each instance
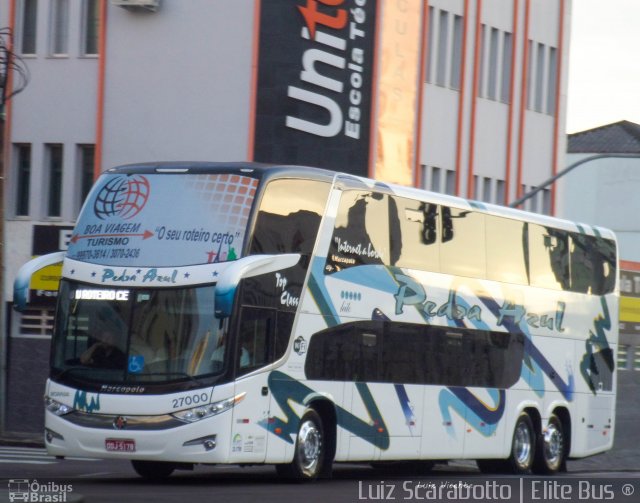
(136, 364)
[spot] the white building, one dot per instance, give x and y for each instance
(602, 190)
(460, 96)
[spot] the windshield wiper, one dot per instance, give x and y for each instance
(68, 370)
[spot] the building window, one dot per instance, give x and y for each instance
(430, 48)
(444, 60)
(543, 78)
(486, 189)
(483, 64)
(530, 76)
(450, 182)
(552, 79)
(435, 179)
(492, 92)
(507, 54)
(59, 27)
(539, 90)
(36, 323)
(29, 26)
(546, 202)
(439, 179)
(500, 193)
(87, 157)
(443, 37)
(444, 65)
(476, 187)
(23, 156)
(54, 164)
(456, 52)
(90, 27)
(636, 358)
(496, 49)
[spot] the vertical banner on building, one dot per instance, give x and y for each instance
(314, 83)
(398, 87)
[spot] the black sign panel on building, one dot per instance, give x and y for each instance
(314, 83)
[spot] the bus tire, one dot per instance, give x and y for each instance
(310, 450)
(551, 448)
(523, 446)
(153, 470)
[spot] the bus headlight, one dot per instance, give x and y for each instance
(59, 409)
(205, 411)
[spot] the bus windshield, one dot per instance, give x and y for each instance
(139, 336)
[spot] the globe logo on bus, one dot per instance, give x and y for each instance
(122, 196)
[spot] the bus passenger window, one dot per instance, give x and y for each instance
(462, 250)
(506, 250)
(289, 216)
(548, 258)
(361, 235)
(592, 264)
(419, 233)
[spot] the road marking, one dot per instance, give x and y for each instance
(26, 456)
(22, 454)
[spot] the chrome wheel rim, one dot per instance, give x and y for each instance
(553, 445)
(522, 447)
(309, 447)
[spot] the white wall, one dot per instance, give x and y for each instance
(178, 84)
(604, 192)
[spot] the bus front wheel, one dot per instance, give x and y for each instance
(310, 452)
(153, 470)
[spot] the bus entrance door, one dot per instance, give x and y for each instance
(250, 416)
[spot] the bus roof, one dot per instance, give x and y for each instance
(269, 171)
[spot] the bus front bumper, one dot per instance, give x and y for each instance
(205, 441)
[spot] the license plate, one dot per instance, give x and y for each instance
(120, 445)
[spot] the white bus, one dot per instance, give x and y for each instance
(242, 313)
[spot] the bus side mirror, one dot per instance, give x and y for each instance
(247, 267)
(23, 278)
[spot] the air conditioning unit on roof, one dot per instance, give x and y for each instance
(150, 5)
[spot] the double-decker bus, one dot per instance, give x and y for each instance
(244, 313)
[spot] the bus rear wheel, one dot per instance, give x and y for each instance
(153, 470)
(310, 452)
(521, 458)
(550, 452)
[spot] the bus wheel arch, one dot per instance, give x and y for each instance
(553, 444)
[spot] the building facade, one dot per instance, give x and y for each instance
(466, 97)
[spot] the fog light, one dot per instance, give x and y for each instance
(49, 435)
(208, 442)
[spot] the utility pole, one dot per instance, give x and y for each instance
(14, 77)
